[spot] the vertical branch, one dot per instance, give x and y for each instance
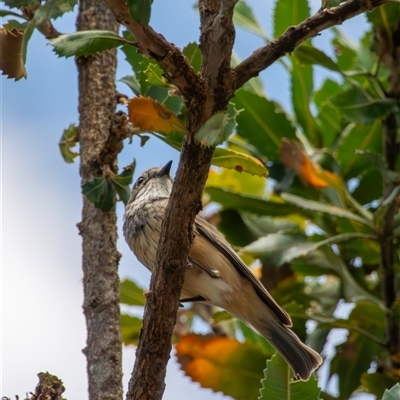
(390, 54)
(97, 102)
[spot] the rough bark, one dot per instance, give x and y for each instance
(97, 102)
(390, 56)
(204, 95)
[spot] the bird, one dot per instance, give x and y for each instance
(215, 275)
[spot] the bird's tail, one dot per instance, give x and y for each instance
(255, 313)
(300, 357)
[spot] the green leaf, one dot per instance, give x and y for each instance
(280, 248)
(132, 83)
(355, 106)
(173, 103)
(370, 186)
(228, 158)
(249, 203)
(277, 384)
(288, 13)
(243, 16)
(133, 57)
(53, 9)
(193, 54)
(68, 140)
(327, 90)
(325, 208)
(86, 43)
(131, 294)
(140, 10)
(130, 329)
(122, 181)
(354, 139)
(345, 50)
(155, 76)
(308, 54)
(329, 119)
(218, 128)
(27, 35)
(263, 123)
(393, 393)
(100, 192)
(302, 89)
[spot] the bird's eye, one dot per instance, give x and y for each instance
(140, 180)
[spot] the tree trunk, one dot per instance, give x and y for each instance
(97, 102)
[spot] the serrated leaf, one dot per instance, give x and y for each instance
(244, 17)
(53, 9)
(132, 83)
(194, 56)
(308, 54)
(212, 361)
(355, 106)
(27, 35)
(131, 294)
(155, 76)
(288, 13)
(86, 43)
(122, 181)
(150, 116)
(11, 50)
(237, 182)
(302, 89)
(263, 123)
(227, 158)
(218, 128)
(325, 208)
(249, 203)
(393, 393)
(130, 329)
(140, 10)
(67, 142)
(280, 248)
(99, 191)
(345, 50)
(277, 384)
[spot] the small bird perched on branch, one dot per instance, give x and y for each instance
(215, 275)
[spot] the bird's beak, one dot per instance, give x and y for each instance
(165, 169)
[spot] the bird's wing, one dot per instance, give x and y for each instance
(209, 232)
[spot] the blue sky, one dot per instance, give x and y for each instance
(43, 327)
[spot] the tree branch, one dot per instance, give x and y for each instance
(263, 57)
(97, 102)
(216, 43)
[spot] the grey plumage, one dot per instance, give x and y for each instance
(217, 273)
